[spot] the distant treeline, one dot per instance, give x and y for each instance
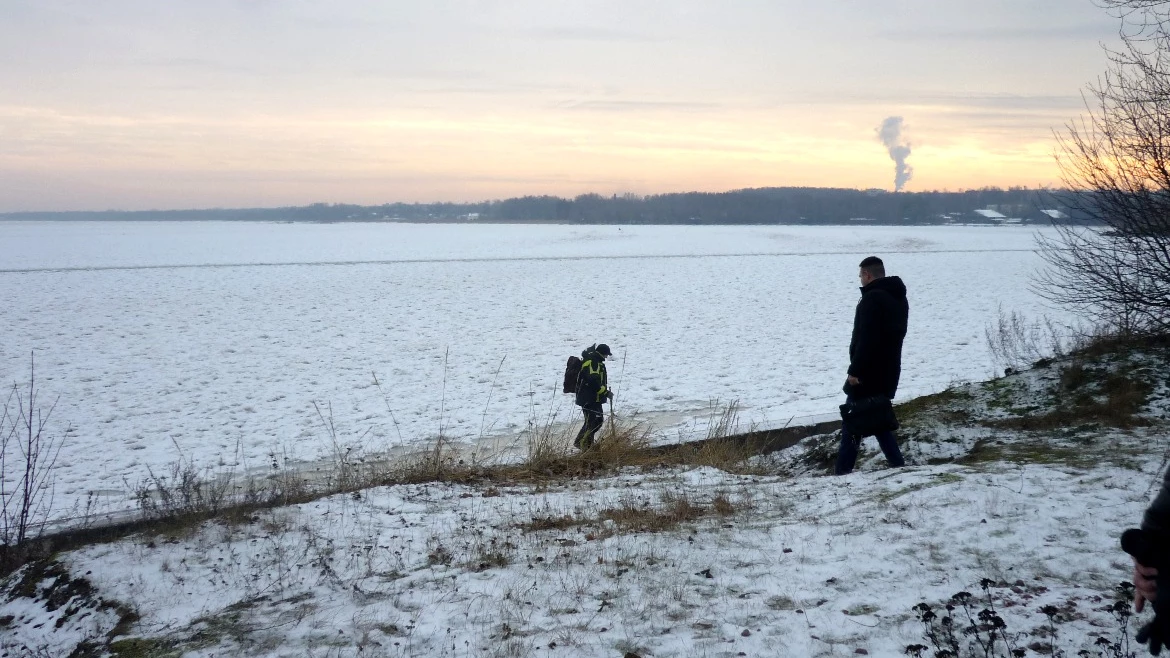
(779, 205)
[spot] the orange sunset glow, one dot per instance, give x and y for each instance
(259, 104)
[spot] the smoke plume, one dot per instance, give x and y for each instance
(890, 133)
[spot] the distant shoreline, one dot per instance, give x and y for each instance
(506, 222)
(753, 207)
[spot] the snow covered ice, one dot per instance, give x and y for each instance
(210, 341)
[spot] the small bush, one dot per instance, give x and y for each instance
(185, 490)
(1015, 342)
(28, 455)
(970, 625)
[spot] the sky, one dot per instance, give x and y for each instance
(139, 104)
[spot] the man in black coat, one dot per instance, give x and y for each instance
(875, 353)
(592, 391)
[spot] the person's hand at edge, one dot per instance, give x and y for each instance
(1146, 588)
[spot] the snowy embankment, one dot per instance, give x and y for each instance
(1026, 481)
(210, 342)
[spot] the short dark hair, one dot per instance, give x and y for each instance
(875, 267)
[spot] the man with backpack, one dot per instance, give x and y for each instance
(592, 391)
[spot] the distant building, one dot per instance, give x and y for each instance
(1054, 214)
(996, 217)
(993, 215)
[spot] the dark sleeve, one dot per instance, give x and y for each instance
(1157, 516)
(868, 328)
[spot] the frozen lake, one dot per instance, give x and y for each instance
(213, 340)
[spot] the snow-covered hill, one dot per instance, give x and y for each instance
(1018, 490)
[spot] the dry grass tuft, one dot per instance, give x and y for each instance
(551, 523)
(620, 444)
(722, 505)
(438, 463)
(725, 454)
(634, 516)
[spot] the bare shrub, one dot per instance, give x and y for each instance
(28, 454)
(1114, 266)
(1016, 343)
(184, 490)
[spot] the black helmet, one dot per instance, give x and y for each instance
(603, 350)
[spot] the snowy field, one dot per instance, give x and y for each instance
(212, 341)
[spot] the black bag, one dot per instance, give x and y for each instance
(868, 416)
(572, 370)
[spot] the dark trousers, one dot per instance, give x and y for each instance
(847, 452)
(594, 419)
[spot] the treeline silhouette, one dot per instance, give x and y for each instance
(778, 205)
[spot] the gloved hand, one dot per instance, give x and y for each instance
(1146, 548)
(609, 395)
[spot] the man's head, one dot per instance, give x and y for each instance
(872, 268)
(603, 350)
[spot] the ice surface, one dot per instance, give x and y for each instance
(212, 341)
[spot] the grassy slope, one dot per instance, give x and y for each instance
(1014, 478)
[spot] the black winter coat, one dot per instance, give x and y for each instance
(592, 381)
(1157, 516)
(879, 325)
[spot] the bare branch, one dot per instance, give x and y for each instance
(1115, 269)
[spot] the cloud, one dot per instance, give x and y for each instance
(636, 106)
(587, 34)
(943, 99)
(1002, 34)
(193, 64)
(1005, 101)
